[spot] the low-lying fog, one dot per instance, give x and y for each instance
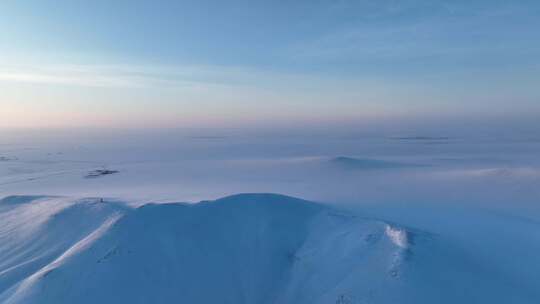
(335, 167)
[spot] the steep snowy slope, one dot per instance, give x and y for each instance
(249, 248)
(34, 231)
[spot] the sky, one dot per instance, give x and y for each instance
(169, 63)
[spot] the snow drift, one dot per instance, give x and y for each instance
(248, 248)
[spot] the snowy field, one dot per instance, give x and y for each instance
(223, 216)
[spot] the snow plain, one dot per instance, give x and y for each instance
(189, 218)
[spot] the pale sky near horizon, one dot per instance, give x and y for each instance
(172, 63)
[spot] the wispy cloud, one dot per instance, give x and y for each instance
(128, 75)
(399, 34)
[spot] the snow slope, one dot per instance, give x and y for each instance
(247, 248)
(35, 231)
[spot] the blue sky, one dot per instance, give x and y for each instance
(176, 63)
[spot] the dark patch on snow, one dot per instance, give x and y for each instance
(108, 255)
(345, 299)
(372, 238)
(100, 172)
(47, 273)
(7, 158)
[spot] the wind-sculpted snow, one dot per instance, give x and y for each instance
(35, 231)
(400, 237)
(248, 248)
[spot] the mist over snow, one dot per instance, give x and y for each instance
(228, 216)
(337, 167)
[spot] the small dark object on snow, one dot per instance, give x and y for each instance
(6, 158)
(100, 172)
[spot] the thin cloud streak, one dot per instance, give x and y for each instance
(126, 76)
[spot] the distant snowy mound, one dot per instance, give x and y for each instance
(367, 164)
(248, 248)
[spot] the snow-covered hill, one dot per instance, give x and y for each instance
(247, 248)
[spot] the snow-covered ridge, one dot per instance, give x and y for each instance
(247, 248)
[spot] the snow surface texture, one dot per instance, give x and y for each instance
(248, 248)
(414, 219)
